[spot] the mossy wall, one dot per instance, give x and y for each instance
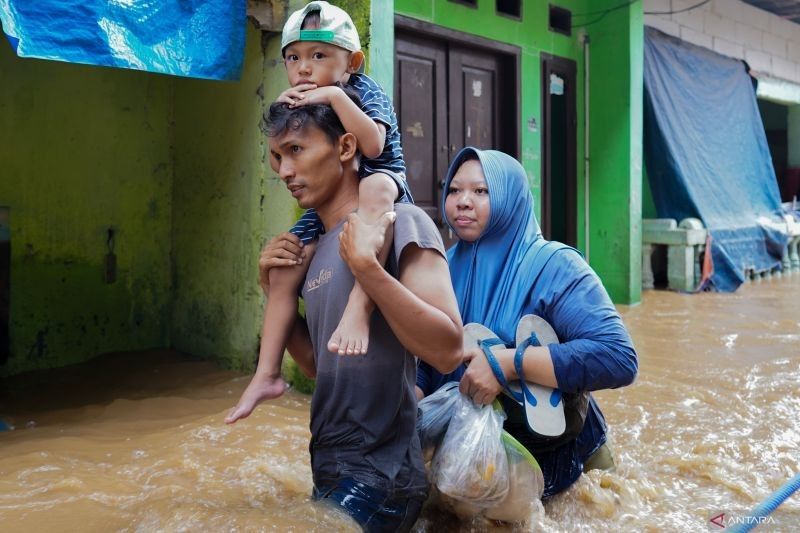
(227, 203)
(84, 149)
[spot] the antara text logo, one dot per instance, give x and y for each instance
(721, 520)
(316, 282)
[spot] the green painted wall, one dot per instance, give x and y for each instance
(615, 113)
(227, 202)
(616, 150)
(84, 148)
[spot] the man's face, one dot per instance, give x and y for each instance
(308, 163)
(316, 62)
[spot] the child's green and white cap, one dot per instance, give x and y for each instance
(335, 27)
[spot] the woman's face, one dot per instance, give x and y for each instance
(467, 203)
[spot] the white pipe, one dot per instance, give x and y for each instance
(586, 41)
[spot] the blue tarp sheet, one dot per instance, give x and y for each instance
(707, 155)
(196, 38)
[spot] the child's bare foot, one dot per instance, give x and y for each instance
(259, 390)
(351, 336)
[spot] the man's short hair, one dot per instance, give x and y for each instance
(281, 118)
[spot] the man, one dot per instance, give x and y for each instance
(365, 452)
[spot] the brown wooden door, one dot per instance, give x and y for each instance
(420, 69)
(449, 95)
(473, 99)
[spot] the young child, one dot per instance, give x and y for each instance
(322, 54)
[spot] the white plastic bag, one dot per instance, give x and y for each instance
(436, 410)
(470, 468)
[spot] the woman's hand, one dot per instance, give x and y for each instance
(478, 382)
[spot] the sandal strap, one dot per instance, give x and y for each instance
(533, 340)
(486, 346)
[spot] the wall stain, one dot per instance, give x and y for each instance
(39, 348)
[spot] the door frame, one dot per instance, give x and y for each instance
(566, 68)
(509, 137)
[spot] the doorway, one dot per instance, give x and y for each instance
(559, 150)
(5, 284)
(775, 118)
(451, 90)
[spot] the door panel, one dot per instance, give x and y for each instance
(420, 84)
(473, 99)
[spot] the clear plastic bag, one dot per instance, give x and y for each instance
(470, 467)
(526, 484)
(435, 413)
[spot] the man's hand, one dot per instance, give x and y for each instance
(283, 250)
(292, 95)
(478, 382)
(359, 242)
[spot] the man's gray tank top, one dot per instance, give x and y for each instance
(364, 409)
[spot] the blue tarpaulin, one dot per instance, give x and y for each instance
(707, 155)
(195, 38)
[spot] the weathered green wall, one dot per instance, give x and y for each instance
(616, 150)
(81, 149)
(224, 199)
(615, 108)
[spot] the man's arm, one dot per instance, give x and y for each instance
(420, 306)
(301, 349)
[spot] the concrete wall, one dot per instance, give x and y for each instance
(178, 167)
(616, 115)
(769, 44)
(227, 202)
(84, 149)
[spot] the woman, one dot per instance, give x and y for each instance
(502, 270)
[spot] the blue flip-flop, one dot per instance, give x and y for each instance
(479, 335)
(544, 407)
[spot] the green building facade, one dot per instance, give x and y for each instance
(135, 205)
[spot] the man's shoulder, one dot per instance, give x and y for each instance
(413, 212)
(413, 225)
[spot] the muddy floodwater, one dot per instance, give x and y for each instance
(135, 442)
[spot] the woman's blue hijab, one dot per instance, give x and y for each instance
(493, 276)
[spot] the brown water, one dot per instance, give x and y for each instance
(135, 442)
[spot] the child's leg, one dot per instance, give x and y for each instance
(376, 196)
(280, 313)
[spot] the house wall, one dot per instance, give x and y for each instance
(769, 44)
(616, 111)
(83, 149)
(224, 199)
